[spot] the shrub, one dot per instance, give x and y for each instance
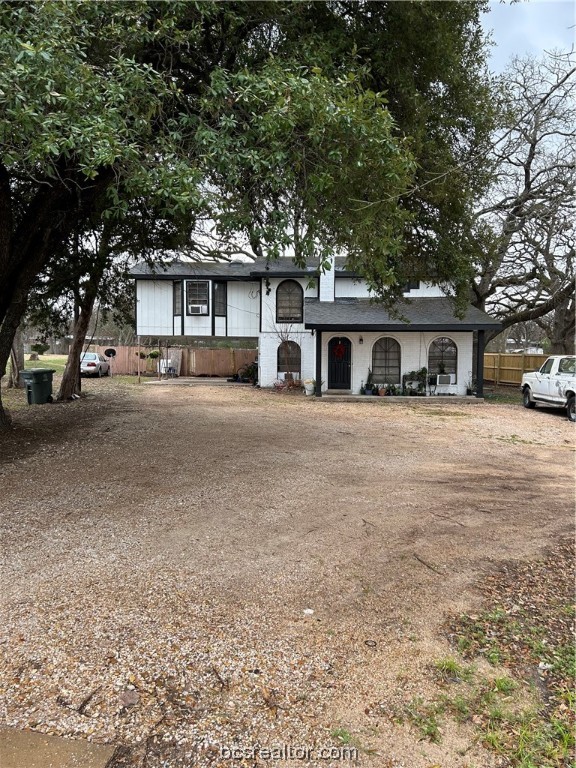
(40, 347)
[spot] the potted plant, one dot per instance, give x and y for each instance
(410, 383)
(422, 376)
(369, 383)
(309, 386)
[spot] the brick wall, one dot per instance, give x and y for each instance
(414, 355)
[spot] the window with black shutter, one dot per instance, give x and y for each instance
(220, 299)
(177, 297)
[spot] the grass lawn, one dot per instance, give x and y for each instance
(56, 362)
(510, 395)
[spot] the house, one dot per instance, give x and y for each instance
(319, 326)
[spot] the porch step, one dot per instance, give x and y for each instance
(332, 397)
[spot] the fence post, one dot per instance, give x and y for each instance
(523, 365)
(498, 368)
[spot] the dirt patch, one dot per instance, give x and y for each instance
(189, 568)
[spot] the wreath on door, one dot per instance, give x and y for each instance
(339, 351)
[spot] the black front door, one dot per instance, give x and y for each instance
(339, 363)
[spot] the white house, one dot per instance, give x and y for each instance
(319, 326)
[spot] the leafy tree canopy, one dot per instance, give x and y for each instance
(305, 126)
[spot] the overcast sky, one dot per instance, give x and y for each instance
(529, 27)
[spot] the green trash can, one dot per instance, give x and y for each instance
(38, 385)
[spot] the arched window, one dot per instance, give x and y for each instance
(289, 302)
(386, 361)
(443, 356)
(289, 357)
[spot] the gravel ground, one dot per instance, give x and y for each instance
(191, 568)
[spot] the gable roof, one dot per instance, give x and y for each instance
(422, 314)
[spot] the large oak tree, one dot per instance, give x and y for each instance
(525, 222)
(265, 119)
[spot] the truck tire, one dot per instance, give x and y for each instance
(571, 408)
(527, 401)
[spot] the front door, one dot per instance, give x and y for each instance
(339, 362)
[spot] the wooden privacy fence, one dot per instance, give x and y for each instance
(215, 362)
(190, 361)
(504, 368)
(186, 361)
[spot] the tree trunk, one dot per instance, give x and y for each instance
(561, 330)
(25, 246)
(86, 298)
(71, 378)
(5, 418)
(8, 327)
(16, 360)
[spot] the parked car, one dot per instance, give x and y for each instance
(553, 384)
(93, 364)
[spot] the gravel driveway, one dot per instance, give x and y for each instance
(191, 568)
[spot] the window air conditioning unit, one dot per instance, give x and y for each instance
(443, 379)
(197, 309)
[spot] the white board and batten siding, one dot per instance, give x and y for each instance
(243, 309)
(269, 324)
(198, 325)
(154, 312)
(155, 308)
(352, 288)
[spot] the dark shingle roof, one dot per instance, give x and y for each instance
(183, 269)
(234, 270)
(435, 314)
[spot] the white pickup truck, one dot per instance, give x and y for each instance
(553, 384)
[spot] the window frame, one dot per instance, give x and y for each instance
(452, 373)
(386, 378)
(294, 317)
(290, 359)
(206, 303)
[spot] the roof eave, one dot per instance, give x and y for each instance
(219, 278)
(262, 274)
(366, 327)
